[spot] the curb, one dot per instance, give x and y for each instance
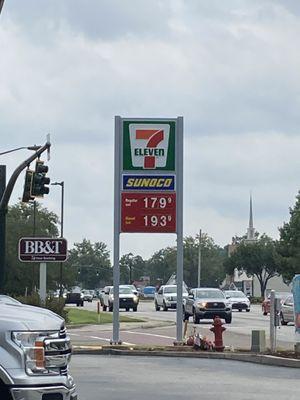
(125, 325)
(244, 357)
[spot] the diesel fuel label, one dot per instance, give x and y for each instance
(149, 182)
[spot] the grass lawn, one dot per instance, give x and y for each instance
(77, 317)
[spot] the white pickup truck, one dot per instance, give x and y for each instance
(35, 352)
(166, 297)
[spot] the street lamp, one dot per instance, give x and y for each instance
(62, 185)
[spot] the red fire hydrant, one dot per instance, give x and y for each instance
(218, 330)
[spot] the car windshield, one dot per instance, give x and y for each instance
(209, 294)
(125, 290)
(235, 293)
(173, 289)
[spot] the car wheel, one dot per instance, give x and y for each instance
(196, 318)
(165, 308)
(104, 307)
(134, 309)
(110, 307)
(265, 313)
(157, 308)
(228, 319)
(77, 305)
(82, 304)
(282, 321)
(240, 310)
(247, 309)
(127, 308)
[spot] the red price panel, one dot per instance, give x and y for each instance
(148, 212)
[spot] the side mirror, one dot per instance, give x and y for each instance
(227, 296)
(191, 296)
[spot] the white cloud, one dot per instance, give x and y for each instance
(231, 69)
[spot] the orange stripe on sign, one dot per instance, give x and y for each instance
(145, 133)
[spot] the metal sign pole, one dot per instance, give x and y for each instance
(116, 268)
(272, 322)
(199, 259)
(43, 282)
(179, 212)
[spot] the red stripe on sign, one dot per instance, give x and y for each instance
(156, 138)
(149, 162)
(145, 133)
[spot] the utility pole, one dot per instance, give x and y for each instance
(62, 185)
(199, 259)
(5, 196)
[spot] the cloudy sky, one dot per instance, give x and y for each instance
(231, 68)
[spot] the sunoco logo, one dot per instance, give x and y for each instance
(149, 145)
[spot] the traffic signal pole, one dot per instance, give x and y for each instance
(5, 193)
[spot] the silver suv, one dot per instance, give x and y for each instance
(35, 353)
(166, 297)
(207, 303)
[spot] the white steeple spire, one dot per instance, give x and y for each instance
(250, 230)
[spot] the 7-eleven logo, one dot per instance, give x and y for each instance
(149, 145)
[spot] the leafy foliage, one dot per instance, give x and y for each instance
(89, 264)
(288, 246)
(131, 268)
(20, 222)
(257, 258)
(53, 304)
(163, 263)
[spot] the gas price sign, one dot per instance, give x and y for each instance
(148, 212)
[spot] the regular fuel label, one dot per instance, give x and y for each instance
(148, 212)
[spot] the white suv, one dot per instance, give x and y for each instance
(166, 297)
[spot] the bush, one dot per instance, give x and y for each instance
(55, 304)
(256, 300)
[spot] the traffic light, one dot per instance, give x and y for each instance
(40, 180)
(27, 196)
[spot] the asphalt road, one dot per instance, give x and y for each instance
(163, 330)
(148, 378)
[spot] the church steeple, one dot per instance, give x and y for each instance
(250, 230)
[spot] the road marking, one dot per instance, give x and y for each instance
(108, 340)
(150, 334)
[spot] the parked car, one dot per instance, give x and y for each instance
(35, 353)
(149, 292)
(166, 297)
(207, 303)
(127, 299)
(87, 296)
(287, 311)
(266, 303)
(238, 300)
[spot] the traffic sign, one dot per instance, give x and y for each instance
(148, 190)
(149, 145)
(43, 250)
(148, 212)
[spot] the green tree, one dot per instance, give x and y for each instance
(89, 264)
(257, 258)
(163, 263)
(131, 268)
(212, 258)
(20, 220)
(288, 246)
